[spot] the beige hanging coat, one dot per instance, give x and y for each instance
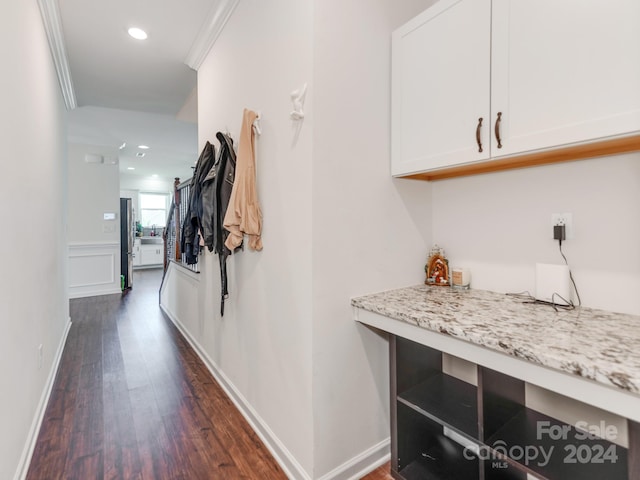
(243, 215)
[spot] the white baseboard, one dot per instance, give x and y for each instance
(27, 453)
(360, 465)
(94, 293)
(285, 459)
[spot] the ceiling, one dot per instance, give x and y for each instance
(137, 92)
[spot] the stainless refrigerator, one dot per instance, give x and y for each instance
(127, 233)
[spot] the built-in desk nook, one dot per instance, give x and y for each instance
(486, 386)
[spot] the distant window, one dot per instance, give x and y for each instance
(153, 209)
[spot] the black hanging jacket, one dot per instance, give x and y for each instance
(216, 191)
(192, 223)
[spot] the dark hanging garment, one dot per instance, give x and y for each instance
(188, 243)
(216, 191)
(192, 224)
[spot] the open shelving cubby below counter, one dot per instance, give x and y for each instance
(481, 426)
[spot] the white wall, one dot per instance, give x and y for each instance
(336, 225)
(500, 225)
(94, 243)
(33, 301)
(146, 184)
(94, 189)
(263, 342)
(370, 232)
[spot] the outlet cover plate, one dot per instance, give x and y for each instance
(565, 219)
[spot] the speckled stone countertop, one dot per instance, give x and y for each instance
(595, 344)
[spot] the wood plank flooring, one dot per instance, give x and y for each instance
(380, 473)
(132, 400)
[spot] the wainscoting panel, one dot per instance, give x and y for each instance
(94, 269)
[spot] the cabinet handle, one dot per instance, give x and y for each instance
(497, 129)
(478, 135)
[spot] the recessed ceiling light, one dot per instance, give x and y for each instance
(143, 147)
(131, 168)
(137, 33)
(124, 144)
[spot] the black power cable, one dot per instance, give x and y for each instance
(558, 234)
(570, 274)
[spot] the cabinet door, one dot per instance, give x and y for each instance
(151, 254)
(564, 72)
(159, 258)
(145, 255)
(440, 87)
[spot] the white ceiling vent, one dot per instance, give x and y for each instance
(140, 154)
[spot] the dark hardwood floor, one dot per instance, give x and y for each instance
(132, 400)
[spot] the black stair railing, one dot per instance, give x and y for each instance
(171, 235)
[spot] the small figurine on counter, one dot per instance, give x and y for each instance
(437, 267)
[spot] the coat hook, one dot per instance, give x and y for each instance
(297, 97)
(256, 123)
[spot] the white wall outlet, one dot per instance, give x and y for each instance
(565, 219)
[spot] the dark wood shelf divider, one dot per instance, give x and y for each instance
(446, 400)
(426, 452)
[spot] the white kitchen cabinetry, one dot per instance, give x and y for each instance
(151, 254)
(557, 73)
(564, 72)
(136, 253)
(440, 87)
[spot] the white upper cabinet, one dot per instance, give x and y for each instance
(440, 86)
(555, 73)
(564, 71)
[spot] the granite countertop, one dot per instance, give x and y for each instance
(595, 344)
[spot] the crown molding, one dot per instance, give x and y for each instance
(211, 28)
(53, 26)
